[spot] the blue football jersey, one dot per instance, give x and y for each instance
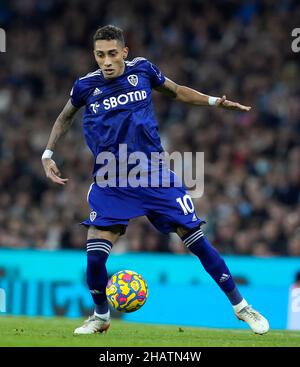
(120, 111)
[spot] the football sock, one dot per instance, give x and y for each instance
(240, 306)
(98, 251)
(102, 315)
(212, 263)
(101, 310)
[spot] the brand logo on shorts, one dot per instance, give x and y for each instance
(93, 216)
(133, 80)
(194, 219)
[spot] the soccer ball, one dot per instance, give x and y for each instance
(126, 291)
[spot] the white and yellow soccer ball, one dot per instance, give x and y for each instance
(127, 291)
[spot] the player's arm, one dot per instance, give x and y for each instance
(60, 127)
(189, 95)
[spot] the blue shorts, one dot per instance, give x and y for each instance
(166, 207)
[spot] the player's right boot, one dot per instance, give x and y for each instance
(254, 319)
(93, 325)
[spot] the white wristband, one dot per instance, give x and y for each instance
(212, 100)
(47, 154)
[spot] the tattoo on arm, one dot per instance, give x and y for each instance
(169, 88)
(62, 124)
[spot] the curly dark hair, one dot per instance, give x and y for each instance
(109, 32)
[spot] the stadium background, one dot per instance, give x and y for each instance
(252, 161)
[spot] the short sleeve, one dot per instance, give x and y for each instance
(76, 95)
(156, 76)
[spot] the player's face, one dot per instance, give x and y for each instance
(110, 56)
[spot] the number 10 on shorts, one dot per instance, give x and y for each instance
(186, 204)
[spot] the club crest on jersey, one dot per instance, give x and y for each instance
(133, 80)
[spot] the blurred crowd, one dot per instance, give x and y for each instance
(251, 199)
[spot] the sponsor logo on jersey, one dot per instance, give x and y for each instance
(133, 80)
(95, 107)
(122, 99)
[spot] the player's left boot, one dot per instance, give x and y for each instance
(93, 325)
(254, 319)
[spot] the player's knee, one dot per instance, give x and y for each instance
(182, 231)
(111, 234)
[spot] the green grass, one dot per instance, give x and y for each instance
(26, 331)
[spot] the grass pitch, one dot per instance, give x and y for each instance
(58, 332)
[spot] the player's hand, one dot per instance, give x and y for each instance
(52, 172)
(225, 103)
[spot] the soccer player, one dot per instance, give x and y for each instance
(119, 111)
